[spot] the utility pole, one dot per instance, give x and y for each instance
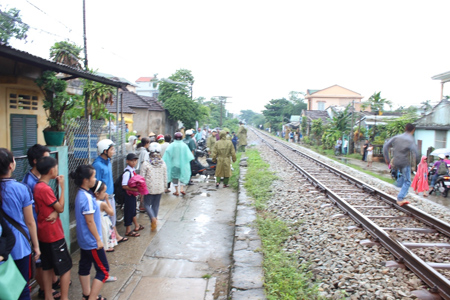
(351, 143)
(85, 57)
(223, 100)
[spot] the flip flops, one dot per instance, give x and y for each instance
(140, 228)
(110, 250)
(176, 194)
(183, 193)
(404, 203)
(132, 234)
(124, 239)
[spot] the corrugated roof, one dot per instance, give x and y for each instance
(45, 64)
(317, 114)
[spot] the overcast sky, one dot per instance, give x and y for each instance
(255, 51)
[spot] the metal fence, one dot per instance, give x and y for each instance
(82, 137)
(23, 167)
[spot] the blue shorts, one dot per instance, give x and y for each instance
(96, 257)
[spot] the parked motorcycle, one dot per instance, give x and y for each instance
(442, 184)
(198, 168)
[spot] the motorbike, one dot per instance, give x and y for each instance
(198, 168)
(442, 184)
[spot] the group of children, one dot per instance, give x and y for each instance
(35, 207)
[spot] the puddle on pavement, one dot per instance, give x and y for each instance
(203, 218)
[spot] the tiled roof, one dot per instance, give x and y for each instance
(132, 100)
(144, 79)
(45, 64)
(317, 114)
(153, 103)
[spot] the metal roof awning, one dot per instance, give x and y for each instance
(27, 58)
(443, 77)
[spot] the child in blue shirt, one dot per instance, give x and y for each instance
(16, 203)
(89, 233)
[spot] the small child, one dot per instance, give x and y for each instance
(129, 210)
(108, 234)
(369, 155)
(55, 253)
(89, 234)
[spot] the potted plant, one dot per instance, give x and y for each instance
(56, 102)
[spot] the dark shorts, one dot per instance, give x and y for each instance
(96, 257)
(56, 256)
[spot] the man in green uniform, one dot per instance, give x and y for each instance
(242, 135)
(211, 140)
(223, 150)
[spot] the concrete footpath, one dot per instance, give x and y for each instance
(191, 254)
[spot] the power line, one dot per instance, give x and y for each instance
(70, 29)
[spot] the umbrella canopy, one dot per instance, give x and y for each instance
(445, 151)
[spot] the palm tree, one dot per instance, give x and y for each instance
(376, 103)
(66, 53)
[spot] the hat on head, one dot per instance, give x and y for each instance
(132, 156)
(189, 132)
(151, 133)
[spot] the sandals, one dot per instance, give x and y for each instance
(176, 194)
(41, 293)
(110, 250)
(225, 185)
(183, 193)
(99, 297)
(404, 203)
(140, 228)
(124, 239)
(132, 234)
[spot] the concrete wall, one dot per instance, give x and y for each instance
(63, 169)
(427, 137)
(10, 84)
(146, 121)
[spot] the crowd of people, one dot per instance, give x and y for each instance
(31, 232)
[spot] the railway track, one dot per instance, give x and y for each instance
(396, 228)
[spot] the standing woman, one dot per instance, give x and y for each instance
(222, 152)
(420, 181)
(178, 160)
(155, 173)
(16, 207)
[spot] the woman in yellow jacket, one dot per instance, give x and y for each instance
(222, 152)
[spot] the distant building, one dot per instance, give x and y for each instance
(332, 96)
(433, 129)
(145, 87)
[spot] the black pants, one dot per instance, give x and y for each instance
(129, 210)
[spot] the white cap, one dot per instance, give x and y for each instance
(154, 147)
(104, 145)
(189, 132)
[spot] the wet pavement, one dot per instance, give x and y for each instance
(189, 257)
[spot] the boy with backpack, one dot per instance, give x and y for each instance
(130, 200)
(55, 254)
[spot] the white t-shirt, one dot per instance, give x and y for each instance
(345, 143)
(127, 175)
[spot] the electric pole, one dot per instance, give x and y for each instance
(222, 100)
(350, 142)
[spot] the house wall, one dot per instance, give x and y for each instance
(427, 137)
(156, 122)
(146, 121)
(10, 84)
(332, 101)
(131, 117)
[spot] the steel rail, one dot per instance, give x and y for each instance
(428, 219)
(437, 282)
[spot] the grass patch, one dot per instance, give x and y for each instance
(284, 278)
(381, 177)
(234, 180)
(258, 180)
(206, 276)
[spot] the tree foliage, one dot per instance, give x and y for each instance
(168, 90)
(66, 53)
(247, 115)
(317, 129)
(182, 108)
(277, 112)
(56, 100)
(11, 26)
(376, 103)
